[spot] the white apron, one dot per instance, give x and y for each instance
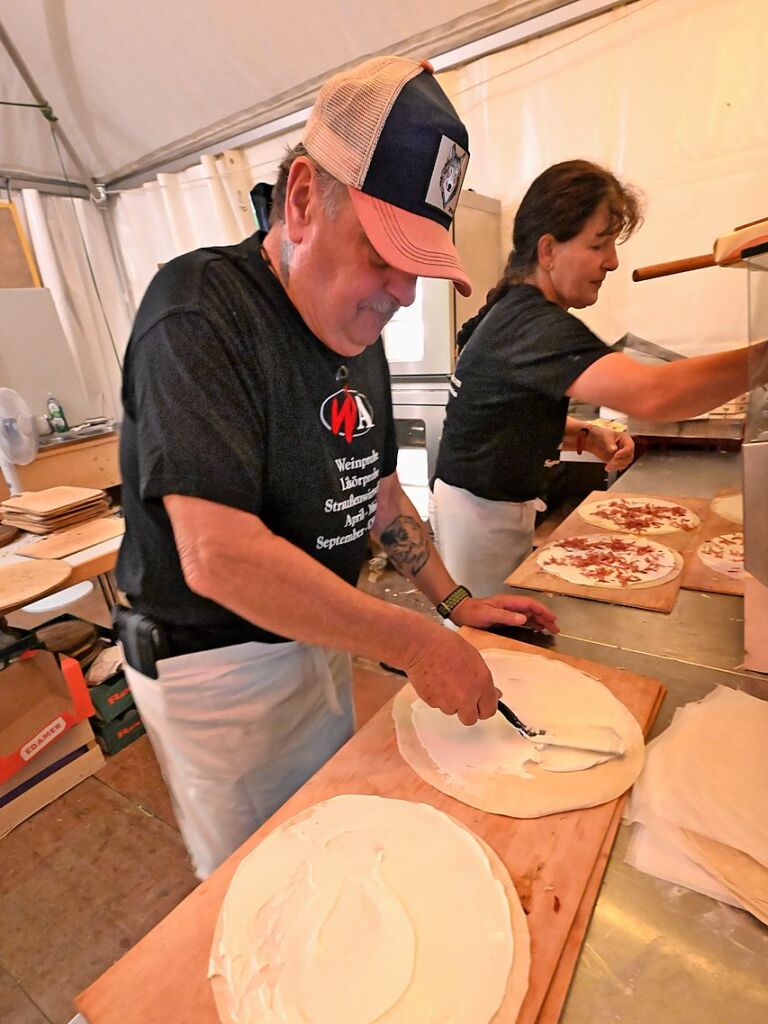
(237, 730)
(481, 541)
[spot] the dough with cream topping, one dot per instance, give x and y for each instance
(345, 915)
(490, 766)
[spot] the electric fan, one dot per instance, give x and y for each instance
(18, 436)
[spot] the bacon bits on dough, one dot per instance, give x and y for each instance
(639, 515)
(724, 554)
(606, 560)
(363, 909)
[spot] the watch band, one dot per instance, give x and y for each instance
(447, 605)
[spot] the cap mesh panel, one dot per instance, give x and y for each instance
(350, 112)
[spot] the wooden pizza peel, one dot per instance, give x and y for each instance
(555, 862)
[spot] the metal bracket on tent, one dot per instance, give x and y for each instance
(98, 192)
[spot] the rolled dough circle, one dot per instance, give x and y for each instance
(730, 507)
(544, 792)
(516, 985)
(724, 554)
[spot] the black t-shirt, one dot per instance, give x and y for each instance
(506, 415)
(228, 396)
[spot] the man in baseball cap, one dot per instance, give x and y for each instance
(258, 455)
(388, 131)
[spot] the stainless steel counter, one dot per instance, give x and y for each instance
(657, 953)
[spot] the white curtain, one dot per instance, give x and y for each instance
(671, 96)
(72, 249)
(206, 205)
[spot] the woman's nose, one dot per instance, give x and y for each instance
(611, 260)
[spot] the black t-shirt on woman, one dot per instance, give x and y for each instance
(229, 396)
(506, 415)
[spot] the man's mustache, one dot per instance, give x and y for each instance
(386, 307)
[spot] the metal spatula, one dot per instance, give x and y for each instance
(599, 739)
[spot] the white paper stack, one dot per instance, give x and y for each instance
(700, 803)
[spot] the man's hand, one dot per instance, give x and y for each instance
(616, 450)
(504, 610)
(449, 674)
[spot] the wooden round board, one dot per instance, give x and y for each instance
(22, 582)
(517, 982)
(7, 534)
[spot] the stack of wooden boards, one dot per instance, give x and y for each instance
(53, 509)
(556, 863)
(695, 575)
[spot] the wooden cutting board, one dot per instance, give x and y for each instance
(51, 500)
(575, 526)
(552, 861)
(76, 538)
(22, 582)
(660, 598)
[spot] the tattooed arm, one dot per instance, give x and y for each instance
(405, 538)
(406, 541)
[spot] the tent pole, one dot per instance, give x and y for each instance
(47, 112)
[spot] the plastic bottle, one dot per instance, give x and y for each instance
(56, 415)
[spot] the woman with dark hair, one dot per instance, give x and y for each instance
(524, 355)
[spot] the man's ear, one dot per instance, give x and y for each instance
(298, 195)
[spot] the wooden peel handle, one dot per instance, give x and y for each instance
(674, 267)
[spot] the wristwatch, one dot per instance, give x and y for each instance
(455, 598)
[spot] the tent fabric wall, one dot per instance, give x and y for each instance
(671, 96)
(136, 85)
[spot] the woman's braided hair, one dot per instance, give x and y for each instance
(559, 203)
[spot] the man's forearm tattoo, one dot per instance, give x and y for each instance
(406, 544)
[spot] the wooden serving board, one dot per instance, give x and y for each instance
(552, 860)
(574, 525)
(22, 582)
(696, 575)
(46, 526)
(76, 538)
(52, 500)
(660, 598)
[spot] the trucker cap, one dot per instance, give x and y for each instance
(388, 131)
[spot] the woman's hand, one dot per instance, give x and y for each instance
(615, 449)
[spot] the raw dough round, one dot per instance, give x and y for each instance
(639, 515)
(741, 874)
(344, 915)
(489, 766)
(610, 561)
(724, 554)
(730, 507)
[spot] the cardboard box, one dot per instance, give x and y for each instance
(75, 739)
(52, 782)
(112, 697)
(41, 697)
(113, 736)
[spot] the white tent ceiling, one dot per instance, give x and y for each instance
(137, 86)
